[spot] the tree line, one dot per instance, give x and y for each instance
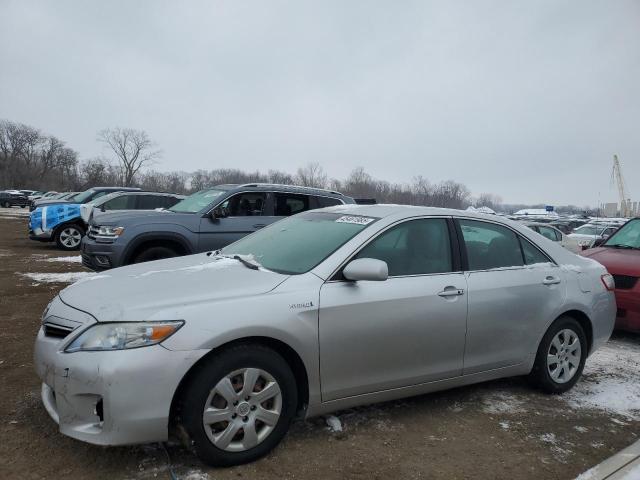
(32, 159)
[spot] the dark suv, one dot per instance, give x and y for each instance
(206, 220)
(9, 199)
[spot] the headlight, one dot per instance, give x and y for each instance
(106, 231)
(123, 335)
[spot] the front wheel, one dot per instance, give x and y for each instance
(6, 204)
(239, 405)
(155, 253)
(69, 237)
(561, 356)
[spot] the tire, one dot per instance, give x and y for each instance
(558, 366)
(239, 363)
(69, 237)
(155, 253)
(22, 206)
(6, 204)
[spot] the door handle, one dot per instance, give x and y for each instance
(451, 292)
(259, 225)
(550, 280)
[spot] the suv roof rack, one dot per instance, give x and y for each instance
(282, 185)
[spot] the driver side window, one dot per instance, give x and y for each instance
(250, 204)
(415, 247)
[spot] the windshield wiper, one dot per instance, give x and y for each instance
(252, 264)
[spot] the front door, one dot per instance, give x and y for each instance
(247, 212)
(407, 330)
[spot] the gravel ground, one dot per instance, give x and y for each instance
(498, 430)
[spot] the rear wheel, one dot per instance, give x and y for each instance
(68, 237)
(155, 253)
(561, 356)
(239, 405)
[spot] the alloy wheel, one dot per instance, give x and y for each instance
(242, 409)
(563, 358)
(70, 237)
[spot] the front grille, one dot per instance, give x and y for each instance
(625, 282)
(57, 331)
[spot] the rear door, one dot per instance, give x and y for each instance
(407, 330)
(514, 290)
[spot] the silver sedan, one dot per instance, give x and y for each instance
(321, 311)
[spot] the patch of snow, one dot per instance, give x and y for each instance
(195, 475)
(74, 259)
(549, 438)
(588, 475)
(502, 402)
(67, 277)
(334, 423)
(580, 429)
(611, 381)
(504, 425)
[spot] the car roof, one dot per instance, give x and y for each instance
(282, 187)
(115, 189)
(386, 210)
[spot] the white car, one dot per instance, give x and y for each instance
(587, 234)
(556, 235)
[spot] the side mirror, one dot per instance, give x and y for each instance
(366, 269)
(218, 213)
(600, 241)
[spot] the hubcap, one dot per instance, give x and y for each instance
(242, 409)
(70, 237)
(563, 358)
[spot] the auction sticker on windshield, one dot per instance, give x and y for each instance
(355, 219)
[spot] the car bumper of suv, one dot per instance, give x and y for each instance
(110, 398)
(41, 236)
(628, 317)
(100, 256)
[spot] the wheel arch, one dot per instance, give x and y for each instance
(584, 321)
(172, 240)
(293, 359)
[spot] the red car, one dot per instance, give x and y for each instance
(620, 254)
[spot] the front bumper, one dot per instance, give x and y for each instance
(111, 398)
(628, 317)
(41, 236)
(100, 256)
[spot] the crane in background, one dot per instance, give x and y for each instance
(625, 201)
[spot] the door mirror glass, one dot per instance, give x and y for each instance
(366, 269)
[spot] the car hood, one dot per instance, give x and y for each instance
(616, 260)
(138, 292)
(122, 217)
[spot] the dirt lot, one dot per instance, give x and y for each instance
(495, 430)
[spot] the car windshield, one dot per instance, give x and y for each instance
(82, 197)
(196, 202)
(628, 236)
(297, 244)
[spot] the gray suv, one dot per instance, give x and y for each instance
(207, 220)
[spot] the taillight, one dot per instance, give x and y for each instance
(608, 281)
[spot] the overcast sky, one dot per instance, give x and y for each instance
(527, 100)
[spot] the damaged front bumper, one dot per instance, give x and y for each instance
(113, 397)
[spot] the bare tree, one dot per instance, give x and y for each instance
(311, 175)
(133, 149)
